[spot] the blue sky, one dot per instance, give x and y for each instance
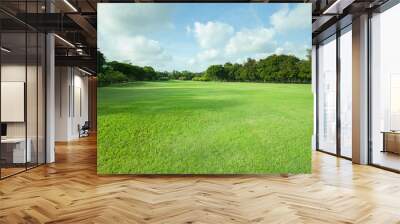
(193, 36)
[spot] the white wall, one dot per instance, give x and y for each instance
(17, 72)
(70, 84)
(62, 82)
(14, 72)
(81, 88)
(33, 126)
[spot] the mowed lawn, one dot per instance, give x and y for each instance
(188, 127)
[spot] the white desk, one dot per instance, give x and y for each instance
(19, 155)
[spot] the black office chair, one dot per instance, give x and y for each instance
(84, 130)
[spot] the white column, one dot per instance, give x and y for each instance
(360, 90)
(50, 94)
(314, 91)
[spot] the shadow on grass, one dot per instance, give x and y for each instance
(173, 105)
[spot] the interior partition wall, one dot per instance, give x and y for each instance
(22, 77)
(385, 89)
(71, 102)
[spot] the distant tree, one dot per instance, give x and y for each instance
(266, 68)
(111, 77)
(163, 75)
(229, 72)
(274, 68)
(288, 68)
(249, 70)
(133, 72)
(305, 68)
(101, 62)
(149, 73)
(186, 75)
(215, 72)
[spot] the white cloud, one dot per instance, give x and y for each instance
(289, 48)
(211, 34)
(122, 30)
(251, 41)
(279, 50)
(208, 55)
(236, 50)
(132, 19)
(292, 19)
(205, 58)
(138, 50)
(136, 32)
(236, 47)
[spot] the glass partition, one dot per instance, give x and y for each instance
(22, 77)
(385, 89)
(327, 95)
(346, 92)
(14, 153)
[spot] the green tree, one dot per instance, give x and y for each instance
(110, 77)
(149, 73)
(215, 72)
(101, 62)
(249, 72)
(274, 68)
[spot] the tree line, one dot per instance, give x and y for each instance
(274, 68)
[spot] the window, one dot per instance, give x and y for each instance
(385, 89)
(346, 92)
(327, 95)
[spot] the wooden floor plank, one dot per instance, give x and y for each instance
(70, 191)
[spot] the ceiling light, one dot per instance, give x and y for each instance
(65, 41)
(5, 50)
(70, 5)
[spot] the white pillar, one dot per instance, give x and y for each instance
(314, 91)
(50, 99)
(360, 89)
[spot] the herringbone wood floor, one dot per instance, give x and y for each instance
(69, 191)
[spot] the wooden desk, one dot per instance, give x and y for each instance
(13, 150)
(391, 141)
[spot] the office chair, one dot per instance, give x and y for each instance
(84, 130)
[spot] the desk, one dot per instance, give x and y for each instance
(391, 141)
(17, 153)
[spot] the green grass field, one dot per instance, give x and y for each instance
(187, 127)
